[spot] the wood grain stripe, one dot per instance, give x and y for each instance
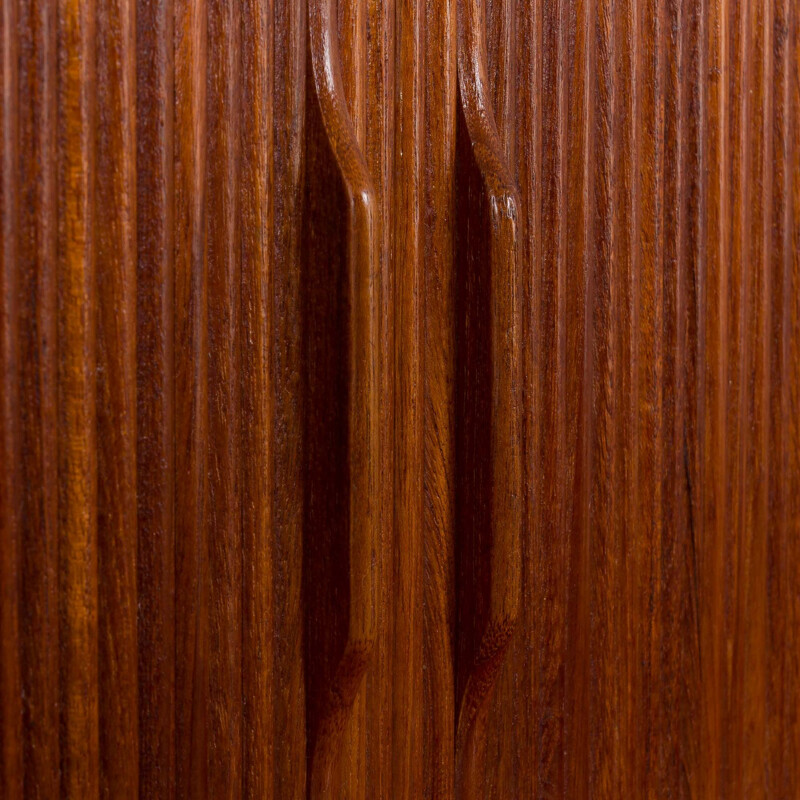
(737, 414)
(550, 459)
(290, 59)
(671, 765)
(439, 31)
(77, 443)
(650, 352)
(257, 231)
(578, 392)
(38, 374)
(155, 231)
(713, 330)
(777, 247)
(191, 410)
(627, 224)
(11, 750)
(604, 534)
(116, 254)
(375, 739)
(691, 355)
(753, 591)
(224, 531)
(791, 356)
(782, 663)
(408, 630)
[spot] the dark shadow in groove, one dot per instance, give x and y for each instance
(325, 381)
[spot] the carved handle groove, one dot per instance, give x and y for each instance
(506, 407)
(363, 278)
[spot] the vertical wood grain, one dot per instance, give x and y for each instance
(691, 343)
(753, 592)
(77, 442)
(379, 154)
(714, 330)
(191, 411)
(224, 520)
(367, 35)
(627, 216)
(791, 360)
(605, 546)
(290, 36)
(548, 426)
(155, 423)
(776, 500)
(646, 555)
(399, 398)
(116, 253)
(738, 427)
(517, 55)
(502, 57)
(577, 324)
(407, 671)
(38, 231)
(675, 768)
(439, 426)
(257, 205)
(782, 663)
(11, 763)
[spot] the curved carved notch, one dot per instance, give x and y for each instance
(345, 427)
(489, 417)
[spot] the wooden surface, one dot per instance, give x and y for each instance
(400, 399)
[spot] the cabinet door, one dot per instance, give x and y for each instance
(400, 399)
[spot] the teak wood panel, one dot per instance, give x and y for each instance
(400, 399)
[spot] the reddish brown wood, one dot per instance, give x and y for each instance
(712, 467)
(400, 399)
(77, 434)
(407, 674)
(11, 751)
(488, 405)
(155, 395)
(289, 722)
(372, 742)
(190, 335)
(257, 383)
(358, 436)
(116, 251)
(38, 370)
(439, 127)
(224, 520)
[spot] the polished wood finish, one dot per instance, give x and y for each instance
(400, 399)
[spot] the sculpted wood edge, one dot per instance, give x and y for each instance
(506, 408)
(363, 282)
